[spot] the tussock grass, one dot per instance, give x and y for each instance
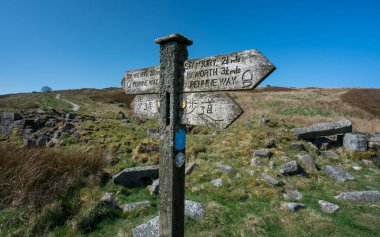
(36, 177)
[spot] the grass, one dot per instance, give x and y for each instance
(244, 206)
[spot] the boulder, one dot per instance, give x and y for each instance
(217, 183)
(130, 206)
(328, 207)
(338, 173)
(225, 168)
(194, 210)
(270, 180)
(136, 176)
(292, 206)
(354, 142)
(290, 168)
(323, 129)
(360, 196)
(149, 229)
(307, 162)
(10, 116)
(263, 153)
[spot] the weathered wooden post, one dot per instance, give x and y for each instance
(173, 54)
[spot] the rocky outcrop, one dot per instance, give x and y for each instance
(136, 176)
(323, 129)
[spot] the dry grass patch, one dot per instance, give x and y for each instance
(36, 176)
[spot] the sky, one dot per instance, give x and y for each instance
(71, 44)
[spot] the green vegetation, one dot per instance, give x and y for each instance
(57, 192)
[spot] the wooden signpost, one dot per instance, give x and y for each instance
(167, 93)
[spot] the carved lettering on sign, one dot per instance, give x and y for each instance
(235, 71)
(216, 110)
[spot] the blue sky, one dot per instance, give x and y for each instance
(69, 44)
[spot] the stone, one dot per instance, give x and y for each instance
(376, 159)
(374, 142)
(307, 162)
(298, 146)
(354, 142)
(331, 154)
(263, 153)
(29, 142)
(69, 117)
(153, 132)
(285, 158)
(328, 207)
(357, 168)
(256, 162)
(360, 196)
(217, 183)
(121, 115)
(10, 116)
(325, 146)
(290, 168)
(270, 144)
(136, 176)
(263, 119)
(270, 180)
(149, 229)
(225, 168)
(190, 168)
(155, 187)
(293, 206)
(292, 195)
(130, 206)
(323, 129)
(338, 173)
(109, 199)
(194, 210)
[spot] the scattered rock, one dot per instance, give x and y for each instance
(331, 154)
(136, 176)
(263, 153)
(217, 182)
(328, 207)
(307, 162)
(354, 142)
(270, 180)
(323, 129)
(109, 199)
(149, 229)
(357, 168)
(338, 173)
(359, 196)
(225, 168)
(298, 146)
(293, 206)
(194, 209)
(256, 162)
(290, 168)
(155, 187)
(130, 206)
(292, 195)
(190, 168)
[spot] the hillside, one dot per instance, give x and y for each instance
(247, 203)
